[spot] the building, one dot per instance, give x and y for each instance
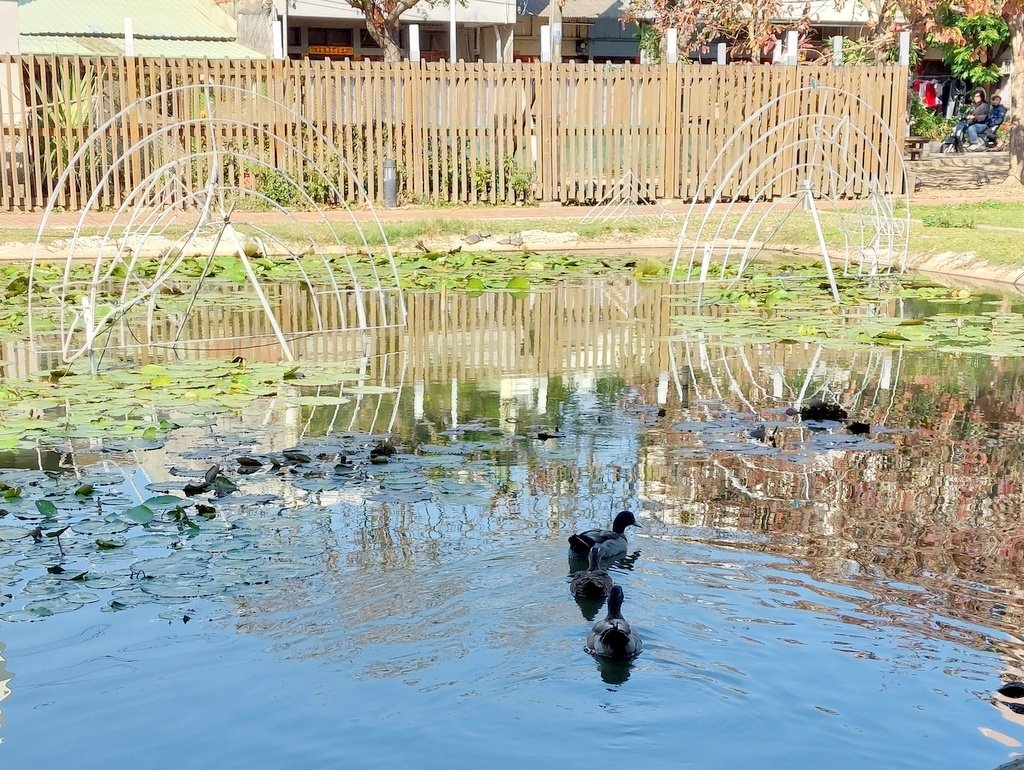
(150, 28)
(319, 29)
(592, 31)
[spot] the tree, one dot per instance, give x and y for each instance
(975, 58)
(382, 17)
(929, 21)
(749, 26)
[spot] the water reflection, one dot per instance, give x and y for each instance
(614, 672)
(5, 679)
(766, 569)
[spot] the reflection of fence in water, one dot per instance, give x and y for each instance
(570, 328)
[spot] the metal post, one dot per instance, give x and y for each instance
(260, 294)
(809, 202)
(390, 183)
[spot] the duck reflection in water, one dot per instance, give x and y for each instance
(614, 671)
(624, 561)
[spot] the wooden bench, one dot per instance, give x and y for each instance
(914, 147)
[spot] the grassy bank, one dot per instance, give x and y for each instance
(990, 230)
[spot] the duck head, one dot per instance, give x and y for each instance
(622, 520)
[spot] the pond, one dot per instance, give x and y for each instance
(808, 595)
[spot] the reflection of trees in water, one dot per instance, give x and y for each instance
(943, 505)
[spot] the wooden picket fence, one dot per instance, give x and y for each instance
(458, 132)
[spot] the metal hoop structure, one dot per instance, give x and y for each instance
(821, 149)
(193, 216)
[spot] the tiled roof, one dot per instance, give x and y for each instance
(170, 48)
(171, 28)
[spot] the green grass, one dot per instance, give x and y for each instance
(993, 213)
(957, 228)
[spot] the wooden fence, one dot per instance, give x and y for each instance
(458, 132)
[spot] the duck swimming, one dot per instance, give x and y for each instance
(611, 542)
(613, 637)
(593, 582)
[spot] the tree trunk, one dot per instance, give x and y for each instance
(1016, 116)
(383, 34)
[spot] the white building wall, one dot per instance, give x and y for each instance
(10, 77)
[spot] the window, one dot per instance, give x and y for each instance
(330, 42)
(322, 36)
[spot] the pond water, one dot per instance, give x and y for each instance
(808, 597)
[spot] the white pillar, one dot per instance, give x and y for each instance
(455, 402)
(792, 41)
(418, 390)
(129, 36)
(10, 77)
(9, 28)
(555, 21)
(453, 43)
(672, 45)
(722, 53)
(777, 51)
(284, 30)
(662, 388)
(545, 43)
(278, 36)
(905, 48)
(414, 42)
(508, 45)
(837, 50)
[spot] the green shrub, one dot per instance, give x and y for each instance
(947, 219)
(928, 123)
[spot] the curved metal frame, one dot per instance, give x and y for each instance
(122, 242)
(890, 231)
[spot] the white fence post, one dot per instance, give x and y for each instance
(905, 48)
(672, 45)
(129, 36)
(545, 43)
(792, 41)
(414, 42)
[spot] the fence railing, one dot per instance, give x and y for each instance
(458, 132)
